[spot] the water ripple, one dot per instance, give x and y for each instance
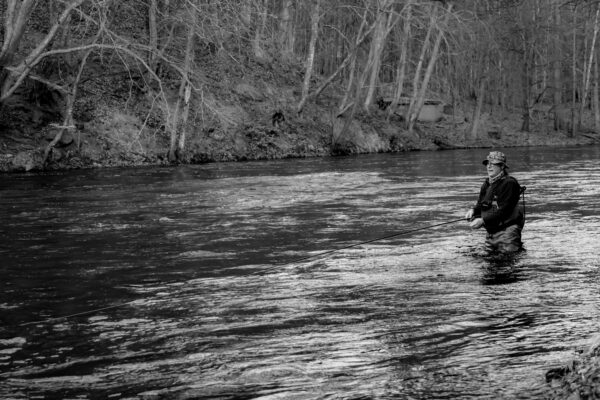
(186, 283)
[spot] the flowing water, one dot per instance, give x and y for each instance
(193, 282)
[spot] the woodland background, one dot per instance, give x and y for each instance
(105, 82)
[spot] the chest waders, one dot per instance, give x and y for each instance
(508, 238)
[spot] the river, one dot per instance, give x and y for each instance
(194, 283)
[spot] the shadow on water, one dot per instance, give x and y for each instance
(502, 269)
(499, 268)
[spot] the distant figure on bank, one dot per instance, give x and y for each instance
(497, 208)
(278, 118)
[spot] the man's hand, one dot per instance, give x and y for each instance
(469, 214)
(476, 223)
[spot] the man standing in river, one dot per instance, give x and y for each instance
(497, 208)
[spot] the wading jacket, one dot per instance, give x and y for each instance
(498, 204)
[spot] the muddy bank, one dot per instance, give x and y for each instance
(119, 139)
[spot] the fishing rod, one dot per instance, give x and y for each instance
(523, 189)
(327, 252)
(313, 256)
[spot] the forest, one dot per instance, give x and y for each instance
(199, 80)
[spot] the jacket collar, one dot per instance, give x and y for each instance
(497, 178)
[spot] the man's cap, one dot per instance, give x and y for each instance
(495, 157)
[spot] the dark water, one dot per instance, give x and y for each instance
(182, 283)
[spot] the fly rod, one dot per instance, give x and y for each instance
(405, 232)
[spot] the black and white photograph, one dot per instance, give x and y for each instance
(299, 199)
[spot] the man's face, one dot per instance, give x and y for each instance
(493, 169)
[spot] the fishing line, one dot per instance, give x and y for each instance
(313, 256)
(56, 319)
(328, 252)
(310, 257)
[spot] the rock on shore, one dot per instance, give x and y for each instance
(580, 379)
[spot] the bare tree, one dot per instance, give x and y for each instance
(350, 57)
(383, 23)
(588, 68)
(70, 93)
(12, 75)
(420, 89)
(152, 33)
(474, 133)
(419, 67)
(573, 129)
(310, 57)
(178, 118)
(401, 69)
(596, 96)
(261, 23)
(286, 28)
(557, 66)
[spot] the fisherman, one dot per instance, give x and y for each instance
(497, 208)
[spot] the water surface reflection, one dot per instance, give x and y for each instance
(195, 291)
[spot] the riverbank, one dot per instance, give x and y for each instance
(579, 379)
(243, 112)
(119, 140)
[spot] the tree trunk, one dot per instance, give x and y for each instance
(596, 99)
(286, 39)
(420, 100)
(259, 53)
(526, 113)
(376, 49)
(184, 118)
(178, 128)
(401, 70)
(557, 68)
(152, 34)
(245, 13)
(310, 58)
(417, 74)
(343, 106)
(571, 132)
(71, 96)
(11, 79)
(588, 70)
(63, 36)
(477, 112)
(15, 21)
(351, 78)
(354, 106)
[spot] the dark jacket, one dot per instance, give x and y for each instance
(498, 204)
